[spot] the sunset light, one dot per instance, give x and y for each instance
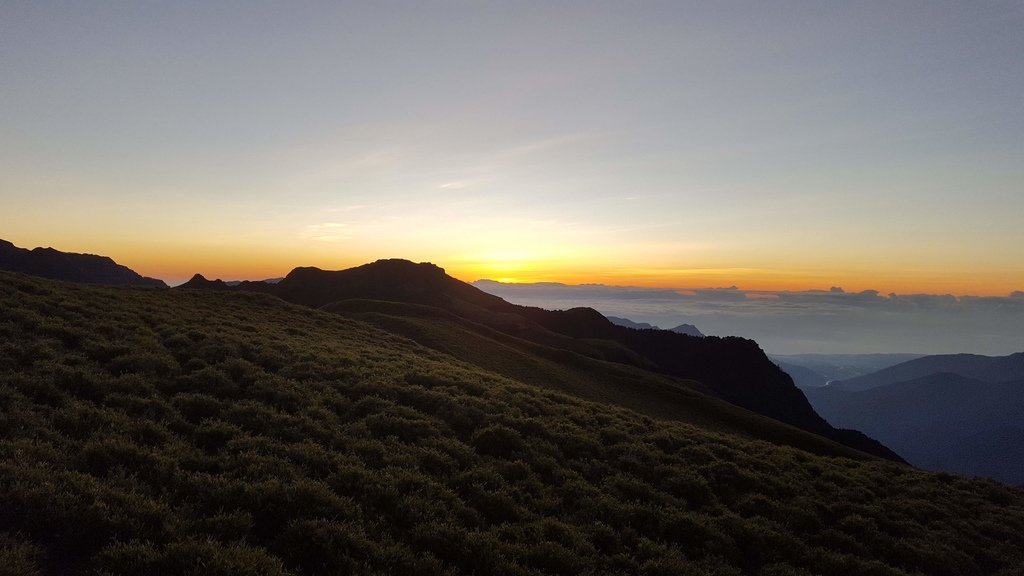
(796, 158)
(511, 288)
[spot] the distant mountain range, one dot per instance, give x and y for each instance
(688, 329)
(959, 413)
(984, 368)
(734, 369)
(267, 281)
(630, 324)
(70, 267)
(813, 370)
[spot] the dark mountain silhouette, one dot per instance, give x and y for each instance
(688, 329)
(630, 324)
(266, 281)
(941, 421)
(70, 267)
(984, 368)
(199, 281)
(735, 369)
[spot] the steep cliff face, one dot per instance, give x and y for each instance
(70, 267)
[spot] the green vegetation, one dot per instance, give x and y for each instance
(652, 394)
(189, 432)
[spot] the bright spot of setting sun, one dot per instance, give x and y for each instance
(517, 265)
(504, 270)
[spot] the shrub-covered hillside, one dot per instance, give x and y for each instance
(186, 432)
(733, 369)
(659, 396)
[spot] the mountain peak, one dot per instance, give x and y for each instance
(386, 266)
(200, 281)
(688, 329)
(403, 264)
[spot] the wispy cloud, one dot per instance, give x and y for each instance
(545, 145)
(327, 232)
(455, 185)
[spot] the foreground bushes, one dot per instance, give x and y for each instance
(168, 432)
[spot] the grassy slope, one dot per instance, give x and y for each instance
(649, 393)
(735, 368)
(180, 432)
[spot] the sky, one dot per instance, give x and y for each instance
(770, 145)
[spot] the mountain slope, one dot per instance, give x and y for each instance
(651, 394)
(70, 267)
(985, 368)
(940, 422)
(735, 369)
(218, 432)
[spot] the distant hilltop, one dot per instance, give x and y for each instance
(688, 329)
(71, 267)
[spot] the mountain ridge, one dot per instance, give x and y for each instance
(976, 366)
(735, 369)
(688, 329)
(71, 267)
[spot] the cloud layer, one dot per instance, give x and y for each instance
(811, 321)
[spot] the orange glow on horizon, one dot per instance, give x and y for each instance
(181, 268)
(177, 267)
(176, 262)
(899, 282)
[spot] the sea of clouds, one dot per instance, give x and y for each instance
(799, 322)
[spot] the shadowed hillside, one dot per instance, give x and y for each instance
(735, 369)
(652, 394)
(70, 267)
(227, 433)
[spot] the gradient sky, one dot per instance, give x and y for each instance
(771, 145)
